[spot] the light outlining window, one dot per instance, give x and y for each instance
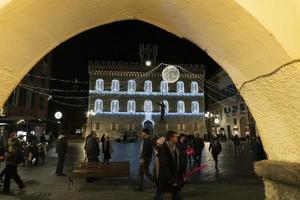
(114, 106)
(98, 107)
(115, 85)
(148, 86)
(99, 85)
(164, 87)
(167, 106)
(131, 86)
(194, 87)
(180, 86)
(195, 107)
(148, 106)
(131, 106)
(180, 107)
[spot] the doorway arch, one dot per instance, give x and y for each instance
(244, 37)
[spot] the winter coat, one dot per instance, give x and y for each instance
(62, 146)
(92, 148)
(182, 148)
(198, 146)
(15, 154)
(147, 150)
(106, 147)
(215, 147)
(169, 170)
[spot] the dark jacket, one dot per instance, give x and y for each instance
(92, 148)
(62, 146)
(15, 154)
(182, 154)
(215, 147)
(198, 145)
(147, 150)
(169, 170)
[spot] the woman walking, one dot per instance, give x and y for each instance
(107, 150)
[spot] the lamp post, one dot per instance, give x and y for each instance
(89, 115)
(58, 115)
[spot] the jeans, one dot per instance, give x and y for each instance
(60, 164)
(175, 196)
(11, 172)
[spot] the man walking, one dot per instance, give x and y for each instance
(14, 158)
(215, 148)
(146, 152)
(92, 151)
(170, 177)
(61, 150)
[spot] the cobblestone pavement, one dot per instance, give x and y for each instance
(234, 180)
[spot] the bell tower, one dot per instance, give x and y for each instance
(148, 55)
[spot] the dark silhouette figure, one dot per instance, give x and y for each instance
(162, 110)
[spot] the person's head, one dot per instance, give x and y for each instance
(94, 134)
(171, 136)
(182, 137)
(145, 132)
(13, 135)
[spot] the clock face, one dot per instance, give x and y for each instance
(170, 74)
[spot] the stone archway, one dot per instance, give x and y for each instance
(255, 42)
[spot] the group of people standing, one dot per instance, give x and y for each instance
(171, 160)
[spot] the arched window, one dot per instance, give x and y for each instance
(164, 87)
(195, 107)
(167, 105)
(180, 107)
(131, 106)
(98, 107)
(148, 106)
(115, 85)
(180, 87)
(99, 85)
(114, 107)
(194, 87)
(148, 86)
(131, 86)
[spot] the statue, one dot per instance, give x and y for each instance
(162, 110)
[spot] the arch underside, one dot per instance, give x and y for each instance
(258, 55)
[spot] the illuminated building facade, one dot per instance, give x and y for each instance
(124, 97)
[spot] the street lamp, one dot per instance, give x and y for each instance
(148, 63)
(217, 121)
(58, 115)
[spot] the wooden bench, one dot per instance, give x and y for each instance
(99, 170)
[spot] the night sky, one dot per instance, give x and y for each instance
(116, 42)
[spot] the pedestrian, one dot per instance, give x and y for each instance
(146, 153)
(13, 159)
(92, 151)
(158, 144)
(215, 148)
(170, 176)
(107, 150)
(198, 148)
(61, 150)
(236, 141)
(182, 148)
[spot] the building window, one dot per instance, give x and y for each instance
(242, 107)
(234, 109)
(180, 87)
(167, 106)
(99, 85)
(97, 126)
(195, 107)
(115, 85)
(16, 96)
(180, 107)
(131, 86)
(181, 127)
(148, 86)
(98, 105)
(114, 107)
(131, 126)
(164, 87)
(196, 127)
(235, 121)
(28, 99)
(148, 106)
(131, 106)
(194, 87)
(114, 126)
